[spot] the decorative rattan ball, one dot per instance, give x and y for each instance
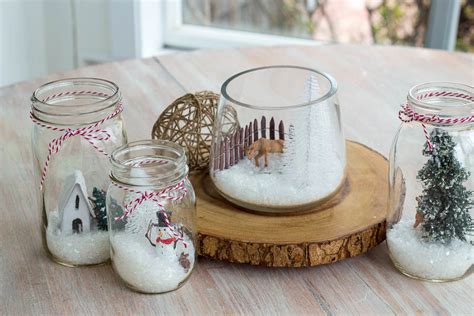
(188, 121)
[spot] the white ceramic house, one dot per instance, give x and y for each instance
(74, 208)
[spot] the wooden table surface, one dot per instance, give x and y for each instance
(373, 81)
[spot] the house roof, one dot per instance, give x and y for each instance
(75, 179)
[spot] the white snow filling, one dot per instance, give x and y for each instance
(428, 260)
(146, 268)
(77, 249)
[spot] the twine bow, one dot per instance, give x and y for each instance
(89, 133)
(172, 193)
(408, 114)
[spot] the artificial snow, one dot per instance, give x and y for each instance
(76, 249)
(146, 268)
(273, 187)
(432, 261)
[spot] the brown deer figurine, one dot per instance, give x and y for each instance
(263, 147)
(419, 218)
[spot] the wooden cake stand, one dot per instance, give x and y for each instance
(350, 223)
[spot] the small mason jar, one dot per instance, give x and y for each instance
(77, 122)
(278, 145)
(152, 212)
(430, 221)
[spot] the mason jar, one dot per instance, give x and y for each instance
(430, 221)
(278, 145)
(152, 216)
(77, 123)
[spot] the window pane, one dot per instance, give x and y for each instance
(465, 38)
(402, 22)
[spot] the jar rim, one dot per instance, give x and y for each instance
(105, 92)
(421, 98)
(123, 169)
(331, 91)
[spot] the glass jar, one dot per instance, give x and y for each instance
(278, 144)
(77, 122)
(152, 214)
(430, 225)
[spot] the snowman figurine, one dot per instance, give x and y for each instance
(160, 235)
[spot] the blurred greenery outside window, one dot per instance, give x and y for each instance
(398, 22)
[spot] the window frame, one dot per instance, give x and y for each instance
(149, 27)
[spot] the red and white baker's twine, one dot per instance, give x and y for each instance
(90, 133)
(172, 193)
(407, 114)
(149, 161)
(82, 92)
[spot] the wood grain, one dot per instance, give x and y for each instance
(349, 224)
(373, 81)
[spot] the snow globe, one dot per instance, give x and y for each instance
(77, 123)
(430, 221)
(151, 212)
(278, 146)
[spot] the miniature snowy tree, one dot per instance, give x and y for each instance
(299, 147)
(289, 153)
(115, 210)
(313, 152)
(98, 199)
(100, 211)
(312, 91)
(443, 207)
(313, 145)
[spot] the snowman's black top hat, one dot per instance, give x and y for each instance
(162, 219)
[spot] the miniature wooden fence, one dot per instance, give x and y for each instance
(231, 148)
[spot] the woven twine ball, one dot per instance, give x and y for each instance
(189, 121)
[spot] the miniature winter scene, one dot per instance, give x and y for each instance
(298, 160)
(77, 230)
(152, 254)
(437, 243)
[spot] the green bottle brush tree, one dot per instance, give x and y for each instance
(443, 207)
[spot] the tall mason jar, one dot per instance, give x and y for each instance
(152, 216)
(430, 221)
(278, 145)
(77, 123)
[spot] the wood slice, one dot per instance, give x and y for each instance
(349, 224)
